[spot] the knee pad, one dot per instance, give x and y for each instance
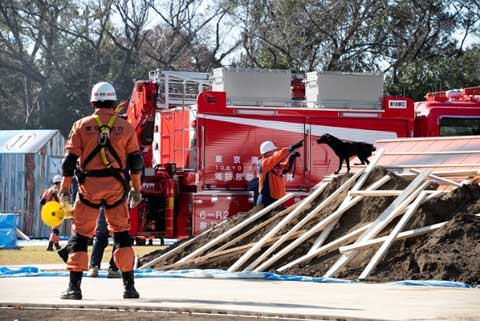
(77, 243)
(122, 239)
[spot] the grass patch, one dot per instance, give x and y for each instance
(32, 255)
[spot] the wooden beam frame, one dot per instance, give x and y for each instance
(221, 254)
(236, 228)
(327, 248)
(452, 173)
(397, 206)
(303, 203)
(401, 236)
(438, 178)
(318, 227)
(256, 228)
(338, 243)
(302, 222)
(388, 242)
(326, 232)
(177, 249)
(380, 193)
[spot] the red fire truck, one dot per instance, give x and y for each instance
(201, 134)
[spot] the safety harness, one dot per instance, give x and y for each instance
(102, 147)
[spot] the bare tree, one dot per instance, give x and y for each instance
(191, 35)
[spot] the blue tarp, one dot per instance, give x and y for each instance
(8, 238)
(32, 271)
(450, 284)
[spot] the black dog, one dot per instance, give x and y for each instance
(346, 149)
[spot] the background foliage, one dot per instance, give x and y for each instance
(53, 51)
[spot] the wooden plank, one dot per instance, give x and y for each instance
(179, 248)
(237, 228)
(438, 178)
(383, 193)
(308, 217)
(332, 246)
(390, 212)
(327, 248)
(403, 235)
(256, 228)
(318, 227)
(303, 203)
(388, 242)
(222, 254)
(451, 173)
(326, 232)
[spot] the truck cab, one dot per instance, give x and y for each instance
(448, 113)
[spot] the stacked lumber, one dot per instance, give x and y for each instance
(347, 226)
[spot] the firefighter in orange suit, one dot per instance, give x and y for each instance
(104, 146)
(51, 194)
(272, 166)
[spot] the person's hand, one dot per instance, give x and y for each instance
(134, 198)
(296, 145)
(65, 199)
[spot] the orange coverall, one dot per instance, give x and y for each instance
(84, 138)
(275, 166)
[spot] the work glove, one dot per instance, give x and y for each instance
(296, 145)
(65, 199)
(134, 198)
(295, 154)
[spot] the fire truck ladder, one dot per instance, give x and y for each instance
(179, 89)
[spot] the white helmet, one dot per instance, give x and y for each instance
(57, 179)
(266, 147)
(103, 91)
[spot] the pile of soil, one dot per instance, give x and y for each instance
(449, 253)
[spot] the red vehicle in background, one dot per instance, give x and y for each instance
(449, 113)
(200, 134)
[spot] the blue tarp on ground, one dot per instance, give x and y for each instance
(450, 284)
(32, 271)
(8, 238)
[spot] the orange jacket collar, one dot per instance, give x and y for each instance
(103, 111)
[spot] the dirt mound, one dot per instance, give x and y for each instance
(448, 253)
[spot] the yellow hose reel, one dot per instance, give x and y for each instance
(53, 214)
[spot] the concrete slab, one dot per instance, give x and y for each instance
(302, 300)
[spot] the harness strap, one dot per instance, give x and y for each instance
(102, 147)
(104, 138)
(102, 203)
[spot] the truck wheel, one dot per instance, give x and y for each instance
(139, 241)
(162, 241)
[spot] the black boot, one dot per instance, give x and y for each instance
(73, 292)
(57, 246)
(63, 253)
(50, 246)
(129, 284)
